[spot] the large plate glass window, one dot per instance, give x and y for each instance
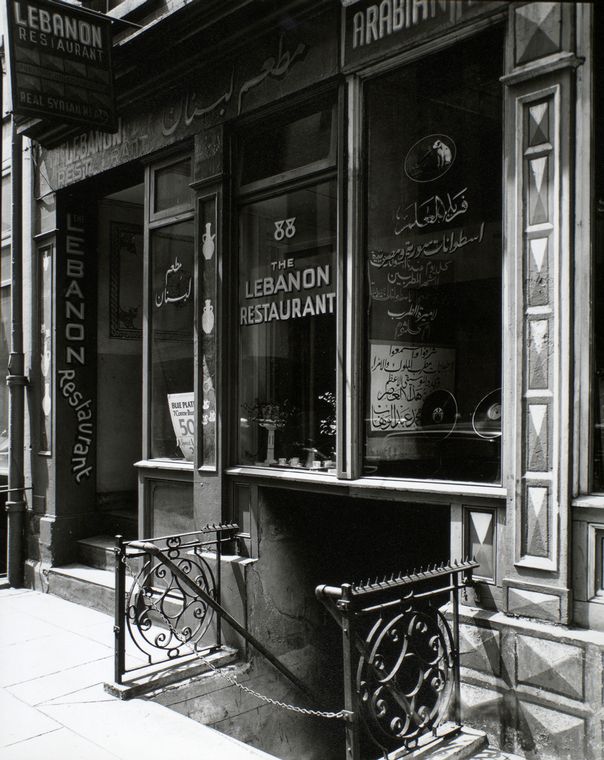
(433, 266)
(287, 306)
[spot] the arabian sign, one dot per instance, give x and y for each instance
(377, 27)
(60, 59)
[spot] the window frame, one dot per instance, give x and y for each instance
(349, 382)
(359, 153)
(155, 221)
(174, 213)
(279, 185)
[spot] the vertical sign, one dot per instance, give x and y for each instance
(76, 357)
(60, 63)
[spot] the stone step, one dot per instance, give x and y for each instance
(89, 586)
(154, 679)
(464, 744)
(97, 551)
(491, 753)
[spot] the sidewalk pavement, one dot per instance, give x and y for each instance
(54, 658)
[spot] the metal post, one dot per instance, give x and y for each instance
(456, 668)
(353, 751)
(120, 611)
(16, 380)
(218, 585)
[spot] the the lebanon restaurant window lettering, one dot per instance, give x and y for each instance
(287, 299)
(433, 264)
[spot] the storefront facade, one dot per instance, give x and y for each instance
(340, 287)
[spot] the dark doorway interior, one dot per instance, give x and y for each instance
(120, 236)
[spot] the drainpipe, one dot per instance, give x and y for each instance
(16, 380)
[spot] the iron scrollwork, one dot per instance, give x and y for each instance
(157, 595)
(400, 656)
(404, 677)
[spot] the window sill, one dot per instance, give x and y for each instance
(177, 465)
(373, 484)
(589, 502)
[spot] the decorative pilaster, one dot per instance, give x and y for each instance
(539, 147)
(209, 157)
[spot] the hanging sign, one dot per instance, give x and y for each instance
(60, 63)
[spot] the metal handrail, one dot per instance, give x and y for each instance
(147, 547)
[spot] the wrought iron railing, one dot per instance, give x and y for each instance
(165, 604)
(401, 657)
(158, 617)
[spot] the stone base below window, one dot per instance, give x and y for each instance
(534, 688)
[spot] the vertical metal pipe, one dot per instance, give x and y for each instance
(16, 380)
(120, 610)
(353, 750)
(219, 585)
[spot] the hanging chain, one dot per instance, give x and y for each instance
(340, 714)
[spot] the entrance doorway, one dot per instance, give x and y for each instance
(120, 235)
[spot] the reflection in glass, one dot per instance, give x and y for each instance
(172, 427)
(286, 315)
(433, 264)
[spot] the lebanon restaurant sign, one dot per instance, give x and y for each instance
(60, 58)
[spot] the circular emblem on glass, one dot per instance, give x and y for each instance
(494, 412)
(438, 414)
(430, 158)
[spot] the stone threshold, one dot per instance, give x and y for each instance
(155, 678)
